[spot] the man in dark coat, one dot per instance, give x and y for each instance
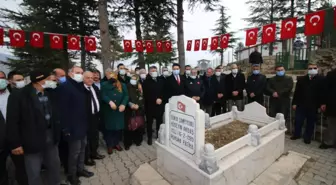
(210, 91)
(33, 129)
(194, 86)
(187, 72)
(235, 85)
(3, 152)
(154, 104)
(175, 84)
(219, 107)
(255, 85)
(329, 107)
(255, 57)
(306, 101)
(74, 120)
(280, 88)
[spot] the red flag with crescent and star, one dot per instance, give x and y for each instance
(314, 23)
(214, 43)
(159, 46)
(37, 39)
(251, 36)
(197, 45)
(205, 43)
(128, 46)
(90, 43)
(73, 42)
(189, 45)
(149, 46)
(167, 46)
(2, 33)
(17, 38)
(224, 40)
(56, 41)
(139, 46)
(288, 28)
(268, 33)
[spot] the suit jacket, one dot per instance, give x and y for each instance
(26, 125)
(235, 84)
(329, 97)
(220, 88)
(152, 90)
(256, 84)
(2, 132)
(89, 99)
(210, 95)
(172, 88)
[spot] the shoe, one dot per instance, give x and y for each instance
(90, 162)
(307, 141)
(73, 180)
(85, 173)
(98, 157)
(294, 138)
(325, 146)
(110, 150)
(149, 142)
(118, 148)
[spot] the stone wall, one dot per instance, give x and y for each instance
(267, 66)
(325, 59)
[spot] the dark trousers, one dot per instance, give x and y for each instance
(150, 119)
(258, 99)
(131, 137)
(113, 137)
(20, 169)
(279, 106)
(92, 137)
(63, 150)
(3, 168)
(76, 156)
(218, 108)
(302, 114)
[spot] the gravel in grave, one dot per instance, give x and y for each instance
(226, 134)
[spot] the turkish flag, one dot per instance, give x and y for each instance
(149, 46)
(314, 23)
(56, 41)
(251, 36)
(205, 43)
(128, 46)
(90, 43)
(224, 40)
(159, 46)
(197, 45)
(288, 28)
(214, 43)
(168, 46)
(17, 38)
(2, 33)
(189, 44)
(139, 46)
(268, 33)
(73, 42)
(37, 39)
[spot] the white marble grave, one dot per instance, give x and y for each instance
(183, 157)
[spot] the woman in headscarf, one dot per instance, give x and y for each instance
(134, 111)
(115, 99)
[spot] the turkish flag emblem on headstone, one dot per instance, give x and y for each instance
(288, 28)
(159, 46)
(181, 106)
(189, 45)
(251, 36)
(17, 38)
(139, 46)
(314, 23)
(214, 43)
(2, 33)
(149, 46)
(268, 33)
(90, 43)
(167, 46)
(224, 41)
(205, 43)
(128, 46)
(73, 42)
(37, 39)
(56, 41)
(197, 45)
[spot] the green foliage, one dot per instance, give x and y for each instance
(237, 52)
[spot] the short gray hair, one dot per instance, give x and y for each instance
(108, 70)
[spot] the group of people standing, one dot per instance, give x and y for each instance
(55, 120)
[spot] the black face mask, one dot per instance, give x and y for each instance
(112, 80)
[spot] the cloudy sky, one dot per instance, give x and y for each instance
(198, 25)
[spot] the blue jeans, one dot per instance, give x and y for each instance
(302, 114)
(112, 137)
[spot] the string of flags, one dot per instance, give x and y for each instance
(17, 38)
(148, 45)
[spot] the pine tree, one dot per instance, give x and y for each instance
(237, 51)
(222, 25)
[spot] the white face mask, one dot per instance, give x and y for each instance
(218, 73)
(165, 73)
(143, 76)
(122, 72)
(234, 71)
(137, 72)
(20, 84)
(154, 74)
(188, 72)
(193, 77)
(49, 84)
(133, 82)
(78, 78)
(313, 72)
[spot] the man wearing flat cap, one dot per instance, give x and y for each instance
(33, 130)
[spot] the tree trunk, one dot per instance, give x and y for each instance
(180, 34)
(270, 51)
(141, 58)
(104, 34)
(221, 57)
(309, 37)
(81, 26)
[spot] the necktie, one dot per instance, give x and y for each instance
(95, 107)
(178, 79)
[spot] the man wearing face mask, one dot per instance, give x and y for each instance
(4, 94)
(74, 120)
(122, 74)
(154, 103)
(306, 101)
(175, 84)
(280, 88)
(219, 107)
(142, 76)
(165, 73)
(187, 72)
(15, 80)
(194, 86)
(33, 129)
(255, 85)
(60, 75)
(235, 83)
